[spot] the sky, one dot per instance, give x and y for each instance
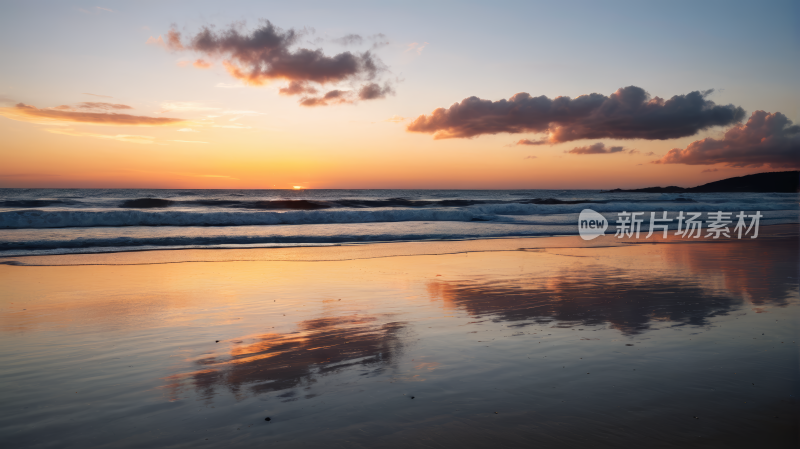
(435, 94)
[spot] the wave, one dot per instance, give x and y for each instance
(284, 204)
(29, 204)
(27, 219)
(126, 242)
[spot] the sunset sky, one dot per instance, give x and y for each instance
(247, 94)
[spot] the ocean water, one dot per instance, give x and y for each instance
(65, 221)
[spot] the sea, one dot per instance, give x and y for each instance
(70, 221)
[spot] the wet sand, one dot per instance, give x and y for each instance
(549, 342)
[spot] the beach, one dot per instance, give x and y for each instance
(547, 342)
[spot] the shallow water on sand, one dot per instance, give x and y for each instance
(691, 345)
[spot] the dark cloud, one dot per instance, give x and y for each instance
(269, 53)
(297, 88)
(96, 105)
(350, 39)
(628, 113)
(27, 113)
(710, 170)
(373, 91)
(766, 139)
(596, 148)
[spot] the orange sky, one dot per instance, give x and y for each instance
(133, 107)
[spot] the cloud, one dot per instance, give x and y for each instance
(378, 40)
(349, 39)
(372, 91)
(297, 88)
(332, 97)
(628, 113)
(710, 170)
(651, 153)
(368, 91)
(269, 53)
(530, 157)
(531, 142)
(596, 148)
(95, 95)
(153, 41)
(395, 119)
(130, 138)
(201, 64)
(27, 113)
(415, 47)
(97, 105)
(766, 139)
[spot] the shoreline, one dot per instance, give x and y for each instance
(353, 251)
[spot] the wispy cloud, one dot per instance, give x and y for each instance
(96, 95)
(531, 142)
(415, 47)
(596, 148)
(156, 41)
(395, 119)
(130, 138)
(97, 105)
(27, 113)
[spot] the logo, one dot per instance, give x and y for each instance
(591, 224)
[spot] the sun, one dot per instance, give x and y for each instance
(297, 187)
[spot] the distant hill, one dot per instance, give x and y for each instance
(780, 181)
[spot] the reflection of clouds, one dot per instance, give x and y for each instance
(763, 270)
(273, 362)
(699, 282)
